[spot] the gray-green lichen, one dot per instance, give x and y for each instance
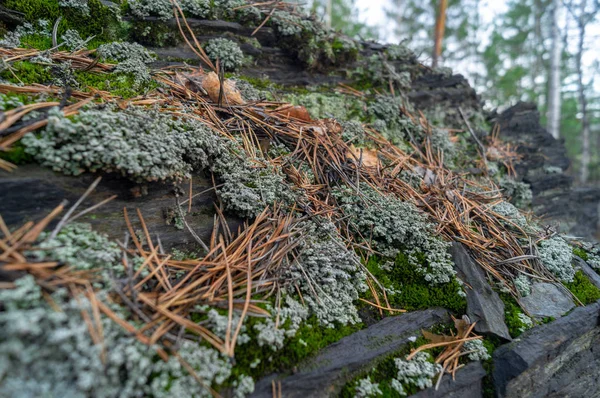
(353, 132)
(523, 285)
(556, 255)
(163, 9)
(132, 59)
(137, 143)
(79, 245)
(227, 52)
(418, 372)
(328, 274)
(519, 192)
(48, 351)
(393, 226)
(366, 388)
(79, 5)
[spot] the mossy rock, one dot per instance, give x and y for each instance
(413, 291)
(583, 289)
(101, 22)
(309, 339)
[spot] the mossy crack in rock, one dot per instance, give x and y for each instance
(325, 374)
(579, 263)
(484, 306)
(558, 359)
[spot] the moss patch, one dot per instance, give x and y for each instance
(310, 338)
(27, 73)
(16, 155)
(583, 289)
(580, 252)
(511, 315)
(101, 21)
(386, 369)
(413, 292)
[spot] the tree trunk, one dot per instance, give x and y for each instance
(554, 89)
(440, 26)
(585, 123)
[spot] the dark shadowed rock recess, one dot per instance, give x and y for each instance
(483, 303)
(325, 374)
(559, 359)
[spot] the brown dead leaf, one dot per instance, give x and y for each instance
(368, 157)
(212, 86)
(437, 338)
(295, 112)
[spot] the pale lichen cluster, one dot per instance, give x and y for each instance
(396, 226)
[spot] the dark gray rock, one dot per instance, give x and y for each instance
(325, 374)
(558, 359)
(31, 192)
(592, 275)
(547, 300)
(468, 384)
(484, 306)
(553, 193)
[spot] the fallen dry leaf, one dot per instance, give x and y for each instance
(368, 157)
(212, 86)
(296, 112)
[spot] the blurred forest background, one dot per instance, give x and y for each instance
(542, 51)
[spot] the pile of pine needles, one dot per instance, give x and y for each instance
(461, 207)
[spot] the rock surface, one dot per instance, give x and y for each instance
(468, 384)
(547, 300)
(325, 374)
(559, 359)
(542, 165)
(31, 192)
(484, 306)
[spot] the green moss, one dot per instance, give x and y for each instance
(310, 338)
(27, 73)
(583, 289)
(16, 155)
(511, 315)
(580, 252)
(119, 84)
(101, 21)
(386, 369)
(154, 34)
(413, 292)
(489, 389)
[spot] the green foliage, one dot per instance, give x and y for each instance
(581, 253)
(119, 84)
(583, 289)
(310, 338)
(101, 21)
(27, 73)
(16, 155)
(409, 290)
(513, 316)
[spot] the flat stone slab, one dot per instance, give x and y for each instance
(558, 359)
(326, 373)
(468, 384)
(547, 300)
(484, 306)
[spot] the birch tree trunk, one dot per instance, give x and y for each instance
(554, 89)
